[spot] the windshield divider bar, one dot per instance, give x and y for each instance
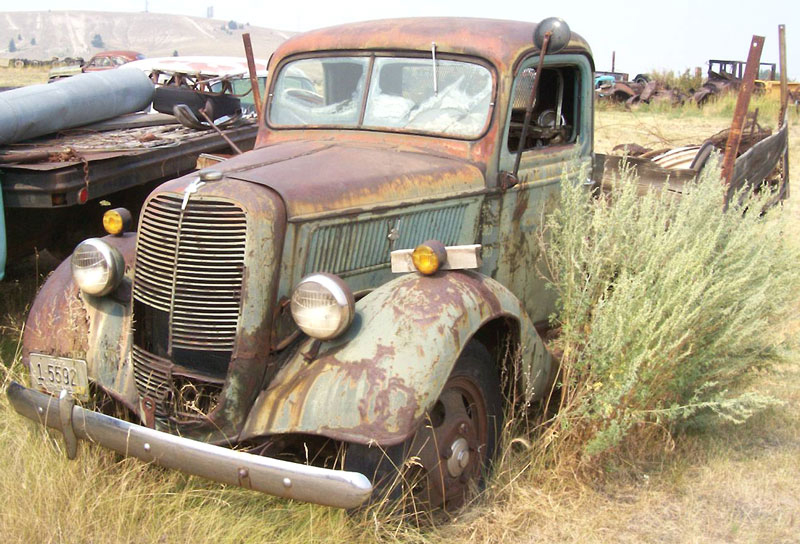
(365, 96)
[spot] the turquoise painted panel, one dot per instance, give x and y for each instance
(356, 246)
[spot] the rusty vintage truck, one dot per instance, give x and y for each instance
(256, 306)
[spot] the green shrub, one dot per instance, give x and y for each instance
(667, 307)
(687, 81)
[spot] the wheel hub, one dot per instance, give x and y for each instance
(459, 457)
(449, 447)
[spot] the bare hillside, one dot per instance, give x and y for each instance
(46, 34)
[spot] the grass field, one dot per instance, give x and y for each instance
(19, 77)
(717, 483)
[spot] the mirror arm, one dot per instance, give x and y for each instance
(531, 103)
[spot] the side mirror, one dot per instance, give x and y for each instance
(560, 34)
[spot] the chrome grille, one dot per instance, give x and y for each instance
(152, 376)
(190, 264)
(178, 397)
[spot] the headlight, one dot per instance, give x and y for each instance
(97, 267)
(322, 306)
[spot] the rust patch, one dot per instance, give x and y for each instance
(500, 42)
(522, 205)
(58, 323)
(374, 407)
(384, 176)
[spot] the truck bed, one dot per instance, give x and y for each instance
(149, 147)
(752, 168)
(64, 182)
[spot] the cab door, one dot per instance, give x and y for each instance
(558, 149)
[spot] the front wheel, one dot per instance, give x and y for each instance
(450, 453)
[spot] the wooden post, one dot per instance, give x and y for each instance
(251, 65)
(613, 61)
(784, 84)
(742, 103)
(784, 104)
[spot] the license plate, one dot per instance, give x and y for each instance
(56, 374)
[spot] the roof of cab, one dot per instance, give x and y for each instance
(501, 42)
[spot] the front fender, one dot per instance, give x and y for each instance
(375, 383)
(64, 322)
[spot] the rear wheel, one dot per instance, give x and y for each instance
(449, 455)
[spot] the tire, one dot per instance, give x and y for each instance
(449, 455)
(166, 98)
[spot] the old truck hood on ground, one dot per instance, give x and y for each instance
(321, 177)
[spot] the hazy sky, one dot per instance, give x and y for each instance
(646, 35)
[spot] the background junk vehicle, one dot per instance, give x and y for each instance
(202, 75)
(71, 148)
(110, 59)
(256, 305)
(105, 60)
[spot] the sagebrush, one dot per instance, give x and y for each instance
(667, 307)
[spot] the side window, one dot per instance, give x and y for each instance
(556, 114)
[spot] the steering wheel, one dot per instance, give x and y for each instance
(305, 96)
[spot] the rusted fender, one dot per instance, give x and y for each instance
(374, 384)
(64, 322)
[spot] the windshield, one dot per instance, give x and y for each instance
(408, 94)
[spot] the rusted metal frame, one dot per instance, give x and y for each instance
(278, 344)
(784, 105)
(32, 188)
(219, 131)
(742, 103)
(411, 54)
(251, 67)
(529, 109)
(755, 165)
(8, 157)
(201, 83)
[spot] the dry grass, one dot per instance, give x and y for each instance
(19, 77)
(715, 483)
(655, 127)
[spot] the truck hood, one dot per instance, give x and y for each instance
(320, 177)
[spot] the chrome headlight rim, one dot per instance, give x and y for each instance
(341, 294)
(112, 262)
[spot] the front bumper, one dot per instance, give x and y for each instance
(328, 487)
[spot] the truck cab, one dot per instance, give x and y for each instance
(256, 305)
